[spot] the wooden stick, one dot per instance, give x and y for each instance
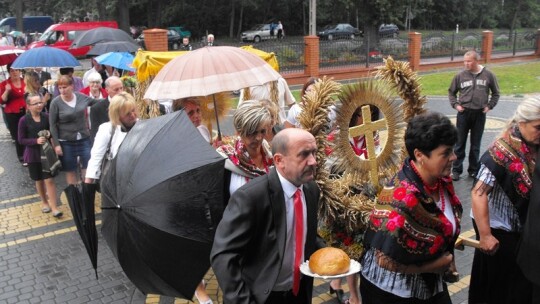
(464, 241)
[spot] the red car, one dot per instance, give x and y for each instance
(61, 35)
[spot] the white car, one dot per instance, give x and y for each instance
(258, 33)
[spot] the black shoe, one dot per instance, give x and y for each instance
(455, 176)
(339, 295)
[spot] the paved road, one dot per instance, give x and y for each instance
(42, 259)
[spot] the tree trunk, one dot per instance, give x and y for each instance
(231, 23)
(240, 19)
(122, 9)
(102, 11)
(514, 20)
(19, 15)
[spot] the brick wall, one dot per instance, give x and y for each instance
(156, 40)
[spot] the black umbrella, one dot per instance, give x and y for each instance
(81, 203)
(162, 201)
(100, 34)
(113, 46)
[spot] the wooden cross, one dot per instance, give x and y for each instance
(367, 129)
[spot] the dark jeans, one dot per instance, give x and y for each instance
(473, 121)
(12, 122)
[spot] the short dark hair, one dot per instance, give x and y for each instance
(65, 71)
(428, 131)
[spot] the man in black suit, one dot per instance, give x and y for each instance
(43, 75)
(254, 252)
(99, 112)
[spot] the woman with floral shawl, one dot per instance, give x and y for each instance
(500, 200)
(248, 153)
(415, 222)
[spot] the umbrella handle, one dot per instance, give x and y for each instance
(217, 118)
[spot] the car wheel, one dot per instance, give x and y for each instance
(330, 37)
(175, 46)
(257, 39)
(351, 36)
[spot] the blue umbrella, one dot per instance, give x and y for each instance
(119, 60)
(45, 57)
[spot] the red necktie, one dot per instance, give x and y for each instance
(299, 239)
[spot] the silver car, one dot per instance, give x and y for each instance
(258, 33)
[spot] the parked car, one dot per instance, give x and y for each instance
(341, 30)
(258, 33)
(388, 30)
(61, 35)
(174, 40)
(181, 30)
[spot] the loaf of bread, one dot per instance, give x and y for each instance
(329, 261)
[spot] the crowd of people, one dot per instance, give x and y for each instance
(271, 198)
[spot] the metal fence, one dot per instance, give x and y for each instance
(505, 42)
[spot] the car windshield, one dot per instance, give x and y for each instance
(329, 27)
(46, 35)
(257, 27)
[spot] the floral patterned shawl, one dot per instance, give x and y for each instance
(407, 226)
(512, 163)
(239, 156)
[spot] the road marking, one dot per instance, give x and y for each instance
(18, 199)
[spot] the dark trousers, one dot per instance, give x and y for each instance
(283, 297)
(473, 121)
(497, 279)
(12, 122)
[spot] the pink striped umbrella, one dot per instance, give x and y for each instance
(210, 70)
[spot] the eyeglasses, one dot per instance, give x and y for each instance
(36, 104)
(95, 82)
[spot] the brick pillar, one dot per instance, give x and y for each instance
(156, 40)
(415, 44)
(311, 56)
(487, 46)
(537, 53)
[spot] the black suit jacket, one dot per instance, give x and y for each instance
(99, 113)
(250, 240)
(44, 76)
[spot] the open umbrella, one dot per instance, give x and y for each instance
(100, 34)
(81, 203)
(162, 201)
(119, 60)
(210, 70)
(113, 46)
(16, 33)
(45, 57)
(8, 54)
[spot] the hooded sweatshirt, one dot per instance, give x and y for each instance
(474, 90)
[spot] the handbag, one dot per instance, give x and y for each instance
(107, 157)
(49, 160)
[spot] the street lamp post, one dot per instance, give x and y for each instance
(312, 17)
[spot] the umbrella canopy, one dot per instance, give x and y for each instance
(113, 46)
(210, 70)
(162, 201)
(100, 34)
(119, 60)
(45, 57)
(8, 54)
(15, 33)
(81, 203)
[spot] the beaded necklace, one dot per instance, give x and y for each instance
(429, 189)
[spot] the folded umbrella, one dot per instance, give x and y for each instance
(162, 201)
(81, 202)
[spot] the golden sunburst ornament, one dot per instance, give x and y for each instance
(376, 169)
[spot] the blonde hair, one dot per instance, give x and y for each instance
(121, 102)
(249, 116)
(28, 78)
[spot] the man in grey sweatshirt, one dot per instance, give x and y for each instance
(474, 85)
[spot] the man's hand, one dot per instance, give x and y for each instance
(459, 108)
(489, 244)
(486, 109)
